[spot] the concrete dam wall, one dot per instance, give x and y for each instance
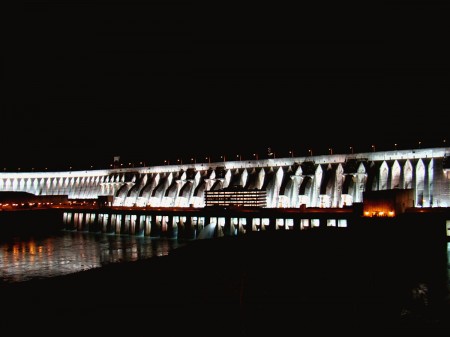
(314, 181)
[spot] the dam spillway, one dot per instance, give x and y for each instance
(326, 181)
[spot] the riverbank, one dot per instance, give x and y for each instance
(307, 283)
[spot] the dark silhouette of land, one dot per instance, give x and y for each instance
(309, 283)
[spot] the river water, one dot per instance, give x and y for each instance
(27, 258)
(23, 259)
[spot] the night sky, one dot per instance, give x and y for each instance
(165, 80)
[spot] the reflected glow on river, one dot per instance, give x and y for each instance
(70, 252)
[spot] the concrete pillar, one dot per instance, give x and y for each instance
(105, 218)
(249, 225)
(80, 221)
(148, 225)
(156, 226)
(297, 225)
(140, 225)
(123, 229)
(172, 227)
(95, 224)
(69, 221)
(110, 223)
(190, 231)
(126, 224)
(240, 229)
(272, 224)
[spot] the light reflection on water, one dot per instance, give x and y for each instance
(70, 252)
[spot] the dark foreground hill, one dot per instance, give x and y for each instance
(309, 283)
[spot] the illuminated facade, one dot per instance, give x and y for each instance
(236, 197)
(326, 181)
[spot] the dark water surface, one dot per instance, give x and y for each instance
(283, 283)
(23, 259)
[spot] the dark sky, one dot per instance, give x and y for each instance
(153, 80)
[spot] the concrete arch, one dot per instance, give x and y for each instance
(287, 188)
(305, 191)
(395, 175)
(172, 190)
(251, 179)
(237, 178)
(184, 194)
(22, 184)
(136, 189)
(121, 195)
(420, 183)
(156, 200)
(227, 179)
(199, 190)
(408, 175)
(383, 176)
(185, 191)
(372, 177)
(163, 183)
(218, 185)
(147, 190)
(134, 192)
(349, 182)
(328, 178)
(15, 184)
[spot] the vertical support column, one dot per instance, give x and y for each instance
(228, 228)
(201, 223)
(125, 224)
(249, 225)
(297, 225)
(138, 224)
(69, 221)
(97, 223)
(120, 223)
(218, 228)
(181, 225)
(195, 224)
(272, 224)
(148, 225)
(108, 225)
(156, 226)
(189, 229)
(322, 223)
(172, 227)
(91, 217)
(87, 222)
(241, 222)
(80, 224)
(103, 222)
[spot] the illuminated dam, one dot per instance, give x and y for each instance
(326, 181)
